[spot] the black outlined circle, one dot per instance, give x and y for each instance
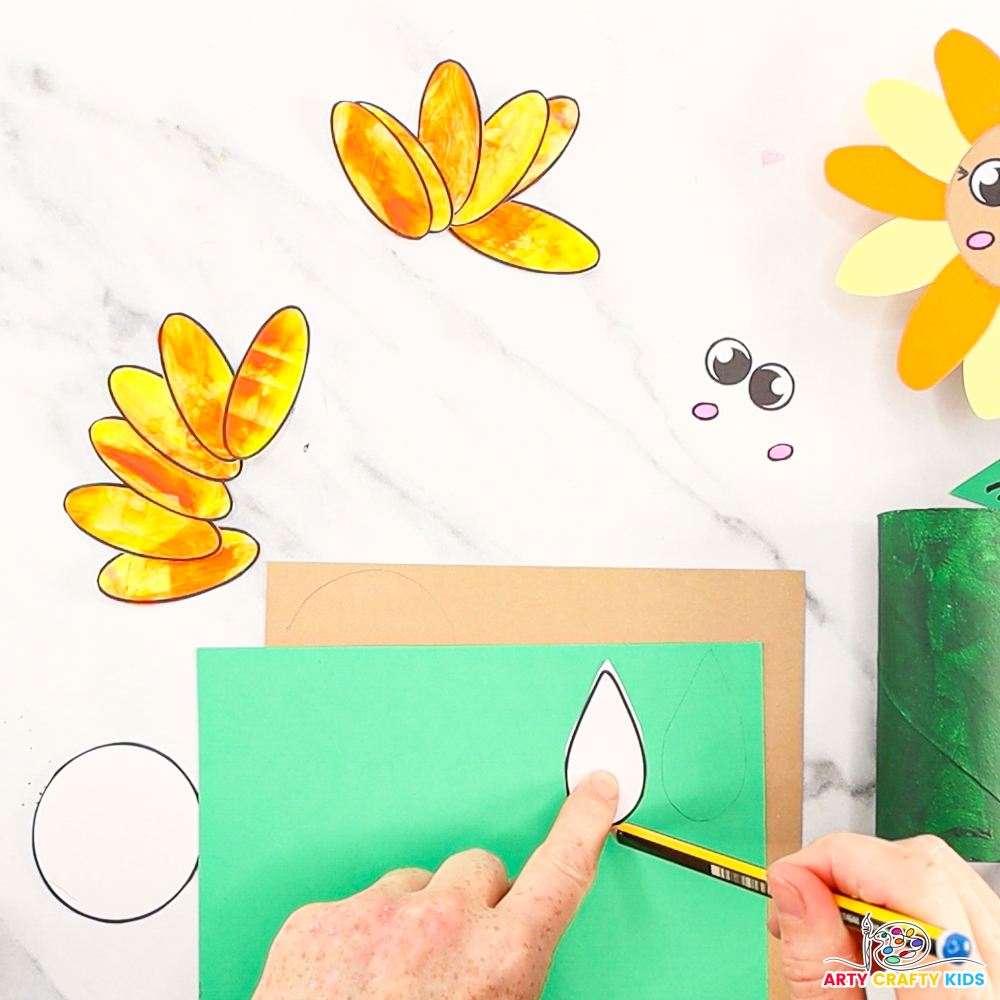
(984, 183)
(55, 890)
(728, 361)
(771, 386)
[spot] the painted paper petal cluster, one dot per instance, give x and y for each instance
(909, 177)
(180, 436)
(461, 173)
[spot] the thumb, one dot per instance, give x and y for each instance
(554, 880)
(811, 930)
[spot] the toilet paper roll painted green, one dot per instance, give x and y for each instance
(938, 755)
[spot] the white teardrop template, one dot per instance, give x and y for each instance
(608, 737)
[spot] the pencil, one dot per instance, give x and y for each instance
(945, 943)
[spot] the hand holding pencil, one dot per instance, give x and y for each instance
(920, 876)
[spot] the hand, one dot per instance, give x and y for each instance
(922, 877)
(463, 933)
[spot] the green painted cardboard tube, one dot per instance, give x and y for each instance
(938, 754)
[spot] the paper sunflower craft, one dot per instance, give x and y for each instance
(461, 174)
(180, 438)
(939, 172)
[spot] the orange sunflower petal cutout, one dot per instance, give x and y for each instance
(180, 436)
(939, 173)
(461, 174)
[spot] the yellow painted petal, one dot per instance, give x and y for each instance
(450, 127)
(970, 78)
(917, 125)
(525, 236)
(380, 170)
(120, 517)
(139, 580)
(511, 140)
(429, 173)
(157, 478)
(981, 373)
(199, 378)
(145, 402)
(898, 256)
(564, 115)
(267, 382)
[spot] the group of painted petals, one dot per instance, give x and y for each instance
(180, 438)
(461, 173)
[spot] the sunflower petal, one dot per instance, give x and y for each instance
(145, 402)
(944, 325)
(429, 173)
(155, 477)
(970, 76)
(900, 255)
(918, 125)
(118, 516)
(981, 373)
(525, 236)
(199, 378)
(381, 171)
(564, 115)
(881, 179)
(512, 137)
(451, 129)
(267, 382)
(142, 580)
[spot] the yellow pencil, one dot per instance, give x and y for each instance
(946, 944)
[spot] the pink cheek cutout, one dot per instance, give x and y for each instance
(705, 411)
(779, 452)
(980, 240)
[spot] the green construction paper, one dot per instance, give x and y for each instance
(323, 768)
(977, 489)
(938, 754)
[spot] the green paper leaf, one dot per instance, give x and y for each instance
(983, 488)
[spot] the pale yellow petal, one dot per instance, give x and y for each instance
(981, 373)
(899, 256)
(917, 125)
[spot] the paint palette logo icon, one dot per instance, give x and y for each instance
(900, 945)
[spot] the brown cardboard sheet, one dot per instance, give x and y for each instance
(331, 604)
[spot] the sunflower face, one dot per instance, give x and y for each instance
(939, 174)
(972, 207)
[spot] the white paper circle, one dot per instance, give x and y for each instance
(115, 834)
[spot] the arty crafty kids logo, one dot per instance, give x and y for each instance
(901, 949)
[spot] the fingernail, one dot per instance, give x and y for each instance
(786, 897)
(605, 784)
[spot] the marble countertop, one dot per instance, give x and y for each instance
(178, 158)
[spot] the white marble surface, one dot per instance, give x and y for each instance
(158, 158)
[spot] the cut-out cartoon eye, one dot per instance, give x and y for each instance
(728, 361)
(985, 183)
(771, 386)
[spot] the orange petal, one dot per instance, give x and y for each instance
(950, 317)
(381, 171)
(155, 477)
(451, 129)
(141, 580)
(970, 76)
(881, 179)
(512, 138)
(429, 173)
(267, 382)
(145, 402)
(199, 379)
(120, 517)
(527, 237)
(564, 114)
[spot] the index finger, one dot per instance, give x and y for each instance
(554, 880)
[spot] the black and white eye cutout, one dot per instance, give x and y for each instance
(984, 183)
(771, 386)
(728, 361)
